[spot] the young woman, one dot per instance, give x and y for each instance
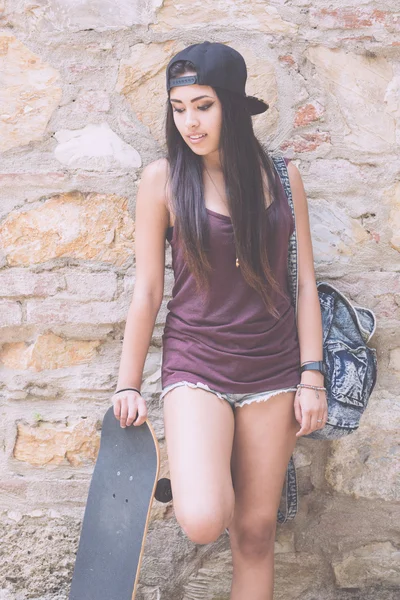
(232, 350)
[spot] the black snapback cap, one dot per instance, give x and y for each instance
(217, 65)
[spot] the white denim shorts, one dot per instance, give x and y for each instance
(233, 399)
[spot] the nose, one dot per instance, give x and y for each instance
(191, 120)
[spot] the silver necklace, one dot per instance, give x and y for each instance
(237, 260)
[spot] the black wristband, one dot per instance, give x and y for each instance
(124, 389)
(313, 365)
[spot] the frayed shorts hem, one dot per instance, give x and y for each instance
(235, 400)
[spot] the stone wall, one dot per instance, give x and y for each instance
(82, 106)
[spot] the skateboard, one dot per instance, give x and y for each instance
(113, 533)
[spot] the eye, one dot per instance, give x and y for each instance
(203, 108)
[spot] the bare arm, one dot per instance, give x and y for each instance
(309, 318)
(151, 222)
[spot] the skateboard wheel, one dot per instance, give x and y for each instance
(163, 491)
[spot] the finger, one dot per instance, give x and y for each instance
(117, 406)
(124, 412)
(318, 423)
(323, 416)
(142, 412)
(302, 431)
(132, 409)
(313, 422)
(305, 424)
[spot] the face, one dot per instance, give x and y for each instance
(197, 110)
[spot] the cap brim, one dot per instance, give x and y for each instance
(255, 105)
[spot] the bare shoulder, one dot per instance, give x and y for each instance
(294, 175)
(297, 187)
(304, 241)
(151, 223)
(293, 170)
(157, 175)
(157, 168)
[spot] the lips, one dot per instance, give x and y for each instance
(195, 140)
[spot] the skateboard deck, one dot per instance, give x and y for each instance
(116, 517)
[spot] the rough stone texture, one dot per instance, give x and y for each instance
(198, 14)
(82, 108)
(85, 226)
(95, 148)
(56, 444)
(29, 94)
(394, 217)
(357, 86)
(47, 352)
(372, 564)
(77, 15)
(366, 464)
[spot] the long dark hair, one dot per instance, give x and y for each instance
(241, 157)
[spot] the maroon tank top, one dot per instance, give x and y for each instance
(228, 340)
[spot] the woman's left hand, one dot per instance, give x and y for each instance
(308, 409)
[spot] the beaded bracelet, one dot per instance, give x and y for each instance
(124, 389)
(312, 387)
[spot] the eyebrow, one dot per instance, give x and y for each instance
(193, 100)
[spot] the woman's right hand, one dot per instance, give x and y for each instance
(128, 406)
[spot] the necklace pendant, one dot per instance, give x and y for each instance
(237, 261)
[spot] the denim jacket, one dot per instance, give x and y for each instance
(351, 365)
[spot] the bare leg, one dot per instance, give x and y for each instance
(199, 429)
(263, 443)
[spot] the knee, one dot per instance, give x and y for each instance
(254, 539)
(202, 526)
